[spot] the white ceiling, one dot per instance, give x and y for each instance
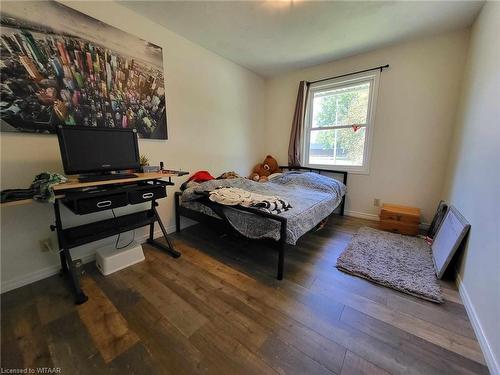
(272, 37)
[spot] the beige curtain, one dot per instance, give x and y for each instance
(294, 147)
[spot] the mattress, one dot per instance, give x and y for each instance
(312, 196)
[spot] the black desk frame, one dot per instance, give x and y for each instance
(72, 237)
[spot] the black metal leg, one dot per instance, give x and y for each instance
(177, 216)
(281, 261)
(170, 248)
(58, 228)
(151, 230)
(281, 248)
(67, 266)
(342, 205)
(64, 265)
(80, 297)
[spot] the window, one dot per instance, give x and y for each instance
(339, 123)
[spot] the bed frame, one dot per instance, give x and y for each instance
(218, 209)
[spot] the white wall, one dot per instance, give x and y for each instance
(473, 180)
(215, 122)
(416, 107)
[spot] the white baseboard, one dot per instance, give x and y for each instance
(39, 274)
(55, 268)
(361, 215)
(489, 355)
(367, 216)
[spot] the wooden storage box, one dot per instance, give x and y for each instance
(400, 219)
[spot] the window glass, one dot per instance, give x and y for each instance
(342, 106)
(337, 146)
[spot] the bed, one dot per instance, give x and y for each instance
(312, 195)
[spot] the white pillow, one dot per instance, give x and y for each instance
(274, 175)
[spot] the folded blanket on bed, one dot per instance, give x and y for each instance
(231, 196)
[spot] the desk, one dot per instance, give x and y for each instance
(97, 196)
(73, 183)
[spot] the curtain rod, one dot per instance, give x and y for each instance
(382, 67)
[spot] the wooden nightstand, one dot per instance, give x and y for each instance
(399, 219)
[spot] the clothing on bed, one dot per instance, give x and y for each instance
(312, 196)
(231, 196)
(196, 179)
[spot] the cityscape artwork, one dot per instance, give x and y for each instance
(60, 66)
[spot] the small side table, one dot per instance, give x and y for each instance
(399, 219)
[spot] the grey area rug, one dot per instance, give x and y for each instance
(399, 262)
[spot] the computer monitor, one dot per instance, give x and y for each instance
(89, 150)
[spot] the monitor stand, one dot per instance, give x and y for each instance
(105, 177)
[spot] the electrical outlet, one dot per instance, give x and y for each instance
(376, 202)
(46, 245)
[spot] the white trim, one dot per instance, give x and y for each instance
(424, 226)
(362, 215)
(373, 78)
(374, 217)
(39, 275)
(489, 355)
(55, 268)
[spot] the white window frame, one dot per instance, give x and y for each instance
(373, 78)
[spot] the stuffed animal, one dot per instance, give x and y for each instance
(263, 170)
(228, 176)
(196, 179)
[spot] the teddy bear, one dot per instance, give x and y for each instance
(263, 170)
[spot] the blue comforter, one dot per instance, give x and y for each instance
(312, 196)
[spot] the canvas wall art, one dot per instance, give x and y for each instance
(450, 234)
(60, 66)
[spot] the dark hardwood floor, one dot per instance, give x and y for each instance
(219, 310)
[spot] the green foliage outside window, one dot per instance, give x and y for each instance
(340, 108)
